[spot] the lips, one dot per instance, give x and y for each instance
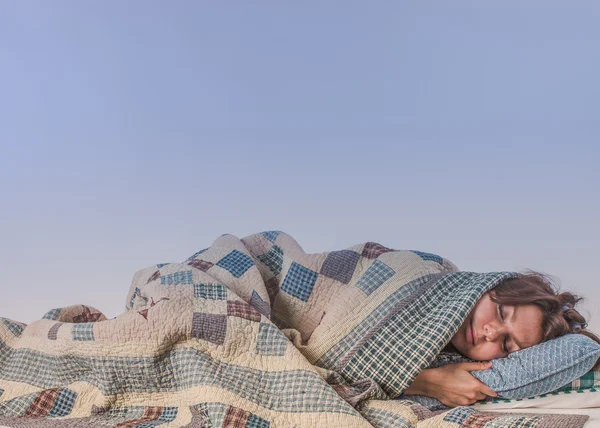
(472, 333)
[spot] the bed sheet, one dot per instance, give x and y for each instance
(593, 413)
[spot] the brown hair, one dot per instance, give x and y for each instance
(559, 314)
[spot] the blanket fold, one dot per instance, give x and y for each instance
(251, 332)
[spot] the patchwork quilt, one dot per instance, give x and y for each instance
(254, 333)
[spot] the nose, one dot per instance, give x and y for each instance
(491, 332)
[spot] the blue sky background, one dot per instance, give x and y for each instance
(137, 132)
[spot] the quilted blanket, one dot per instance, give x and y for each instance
(255, 333)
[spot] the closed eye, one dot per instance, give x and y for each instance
(504, 342)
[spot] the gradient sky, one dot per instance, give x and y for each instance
(135, 133)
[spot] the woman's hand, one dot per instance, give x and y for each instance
(452, 384)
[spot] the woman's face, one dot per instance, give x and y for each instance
(493, 330)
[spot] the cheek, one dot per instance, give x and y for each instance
(486, 352)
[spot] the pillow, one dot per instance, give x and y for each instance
(561, 364)
(542, 368)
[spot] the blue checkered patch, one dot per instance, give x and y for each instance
(299, 281)
(177, 278)
(15, 327)
(52, 314)
(429, 256)
(210, 291)
(376, 275)
(169, 414)
(63, 404)
(257, 422)
(236, 262)
(83, 331)
(162, 264)
(259, 304)
(340, 265)
(271, 341)
(273, 259)
(271, 235)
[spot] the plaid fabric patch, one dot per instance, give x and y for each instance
(260, 305)
(126, 412)
(429, 256)
(383, 418)
(271, 341)
(17, 406)
(215, 412)
(15, 327)
(332, 358)
(299, 281)
(213, 291)
(193, 256)
(257, 422)
(372, 250)
(42, 404)
(376, 275)
(53, 332)
(64, 403)
(168, 415)
(236, 418)
(271, 235)
(150, 414)
(273, 259)
(83, 331)
(209, 327)
(239, 309)
(177, 278)
(203, 265)
(236, 262)
(420, 411)
(510, 421)
(589, 380)
(481, 420)
(87, 315)
(459, 414)
(52, 314)
(340, 265)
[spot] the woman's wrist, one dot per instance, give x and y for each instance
(422, 384)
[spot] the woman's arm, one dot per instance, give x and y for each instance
(452, 384)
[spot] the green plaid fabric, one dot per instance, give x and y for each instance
(590, 380)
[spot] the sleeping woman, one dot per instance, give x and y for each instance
(518, 313)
